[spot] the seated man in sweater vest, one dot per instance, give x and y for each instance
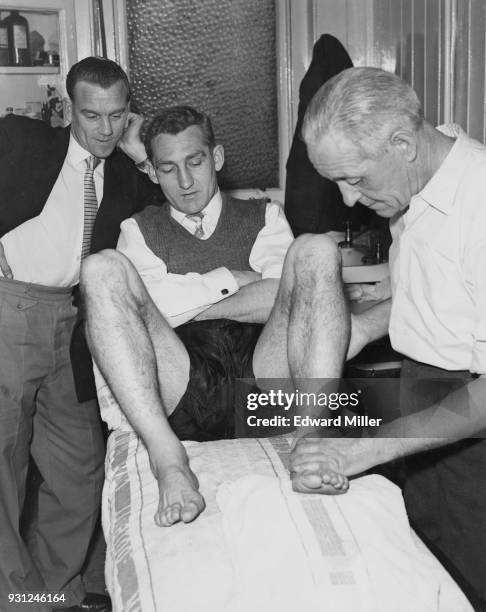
(209, 264)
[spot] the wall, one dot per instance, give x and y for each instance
(438, 46)
(219, 57)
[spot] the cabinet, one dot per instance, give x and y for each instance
(31, 89)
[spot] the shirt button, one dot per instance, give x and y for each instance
(224, 291)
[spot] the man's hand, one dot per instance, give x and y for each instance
(245, 277)
(131, 143)
(4, 267)
(315, 462)
(365, 292)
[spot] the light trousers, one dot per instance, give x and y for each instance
(40, 414)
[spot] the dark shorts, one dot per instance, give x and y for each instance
(220, 353)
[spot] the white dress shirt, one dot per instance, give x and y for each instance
(180, 297)
(46, 250)
(438, 265)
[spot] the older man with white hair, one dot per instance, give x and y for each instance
(365, 130)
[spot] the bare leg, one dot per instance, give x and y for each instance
(147, 368)
(307, 335)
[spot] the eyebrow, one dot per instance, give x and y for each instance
(188, 158)
(113, 112)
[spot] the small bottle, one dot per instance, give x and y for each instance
(18, 39)
(4, 54)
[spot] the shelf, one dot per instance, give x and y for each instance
(29, 69)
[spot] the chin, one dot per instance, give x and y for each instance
(102, 152)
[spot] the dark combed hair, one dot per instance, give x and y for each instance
(176, 119)
(98, 71)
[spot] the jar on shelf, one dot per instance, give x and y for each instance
(18, 39)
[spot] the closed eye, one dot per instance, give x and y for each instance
(165, 169)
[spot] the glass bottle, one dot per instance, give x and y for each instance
(18, 39)
(4, 54)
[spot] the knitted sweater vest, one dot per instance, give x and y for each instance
(229, 245)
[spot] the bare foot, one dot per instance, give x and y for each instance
(179, 498)
(327, 482)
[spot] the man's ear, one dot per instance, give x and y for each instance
(151, 172)
(404, 142)
(218, 156)
(67, 109)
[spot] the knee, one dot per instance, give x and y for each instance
(315, 254)
(101, 271)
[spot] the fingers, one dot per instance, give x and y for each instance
(134, 121)
(316, 462)
(354, 291)
(365, 292)
(130, 142)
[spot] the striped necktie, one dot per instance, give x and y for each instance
(196, 219)
(90, 204)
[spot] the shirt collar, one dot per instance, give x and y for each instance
(211, 211)
(76, 154)
(441, 189)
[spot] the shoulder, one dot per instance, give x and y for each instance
(250, 206)
(17, 126)
(156, 208)
(25, 138)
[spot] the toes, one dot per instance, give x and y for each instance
(176, 512)
(165, 517)
(308, 482)
(191, 511)
(327, 483)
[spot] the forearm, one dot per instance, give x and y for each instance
(461, 414)
(251, 304)
(368, 326)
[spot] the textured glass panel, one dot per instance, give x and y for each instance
(220, 57)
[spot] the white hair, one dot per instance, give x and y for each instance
(364, 104)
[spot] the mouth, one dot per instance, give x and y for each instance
(189, 195)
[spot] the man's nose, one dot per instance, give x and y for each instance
(185, 178)
(350, 194)
(105, 126)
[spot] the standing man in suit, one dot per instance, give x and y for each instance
(63, 194)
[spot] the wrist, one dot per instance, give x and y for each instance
(142, 164)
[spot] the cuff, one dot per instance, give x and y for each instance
(221, 283)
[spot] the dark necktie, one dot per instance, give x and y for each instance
(90, 204)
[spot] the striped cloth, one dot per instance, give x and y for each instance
(90, 204)
(258, 546)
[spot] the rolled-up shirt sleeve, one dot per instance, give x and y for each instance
(272, 242)
(179, 297)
